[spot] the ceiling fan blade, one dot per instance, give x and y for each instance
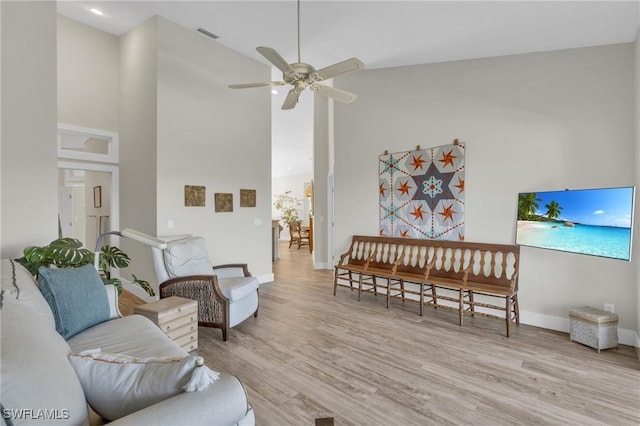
(332, 92)
(292, 99)
(344, 67)
(274, 57)
(263, 84)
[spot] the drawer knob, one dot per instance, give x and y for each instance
(192, 337)
(192, 319)
(191, 328)
(168, 328)
(179, 309)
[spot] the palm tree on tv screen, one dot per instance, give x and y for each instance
(553, 209)
(527, 205)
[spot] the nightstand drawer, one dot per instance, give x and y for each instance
(191, 338)
(168, 309)
(190, 346)
(181, 331)
(179, 322)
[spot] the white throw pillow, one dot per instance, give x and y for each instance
(118, 385)
(187, 257)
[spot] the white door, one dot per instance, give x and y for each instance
(65, 211)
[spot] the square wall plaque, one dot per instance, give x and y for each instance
(223, 202)
(194, 196)
(247, 198)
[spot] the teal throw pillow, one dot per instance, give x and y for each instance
(76, 296)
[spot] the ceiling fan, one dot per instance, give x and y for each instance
(301, 75)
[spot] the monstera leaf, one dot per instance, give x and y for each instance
(63, 253)
(111, 256)
(69, 253)
(145, 285)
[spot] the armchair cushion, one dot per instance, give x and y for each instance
(238, 288)
(187, 257)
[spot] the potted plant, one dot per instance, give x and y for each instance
(69, 253)
(288, 206)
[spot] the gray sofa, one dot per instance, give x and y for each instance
(39, 384)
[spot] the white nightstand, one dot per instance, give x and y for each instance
(177, 317)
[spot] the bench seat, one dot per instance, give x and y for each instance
(374, 263)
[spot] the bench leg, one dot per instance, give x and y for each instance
(388, 291)
(335, 282)
(421, 297)
(375, 285)
(402, 289)
(460, 306)
(508, 313)
(472, 305)
(359, 286)
(351, 280)
(434, 296)
(516, 308)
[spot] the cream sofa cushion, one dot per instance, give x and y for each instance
(34, 355)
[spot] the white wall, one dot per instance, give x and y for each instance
(320, 171)
(29, 173)
(88, 76)
(219, 138)
(138, 135)
(532, 122)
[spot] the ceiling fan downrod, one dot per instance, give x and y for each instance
(299, 31)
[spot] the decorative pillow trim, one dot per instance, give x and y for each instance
(13, 281)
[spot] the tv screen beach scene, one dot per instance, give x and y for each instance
(587, 221)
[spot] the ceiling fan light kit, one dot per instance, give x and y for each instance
(301, 75)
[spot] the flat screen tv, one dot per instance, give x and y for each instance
(587, 221)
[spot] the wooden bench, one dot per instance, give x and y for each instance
(433, 272)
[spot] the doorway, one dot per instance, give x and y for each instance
(88, 183)
(84, 203)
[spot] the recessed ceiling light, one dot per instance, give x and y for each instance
(274, 92)
(96, 11)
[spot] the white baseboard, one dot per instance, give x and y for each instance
(321, 265)
(625, 336)
(266, 278)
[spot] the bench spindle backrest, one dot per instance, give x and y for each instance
(491, 264)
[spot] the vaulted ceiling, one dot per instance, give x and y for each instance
(381, 33)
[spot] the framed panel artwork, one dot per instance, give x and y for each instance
(421, 193)
(247, 198)
(194, 196)
(223, 202)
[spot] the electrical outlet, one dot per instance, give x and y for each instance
(609, 307)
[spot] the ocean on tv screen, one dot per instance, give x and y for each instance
(591, 221)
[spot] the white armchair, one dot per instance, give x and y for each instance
(226, 294)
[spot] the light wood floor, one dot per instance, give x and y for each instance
(310, 354)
